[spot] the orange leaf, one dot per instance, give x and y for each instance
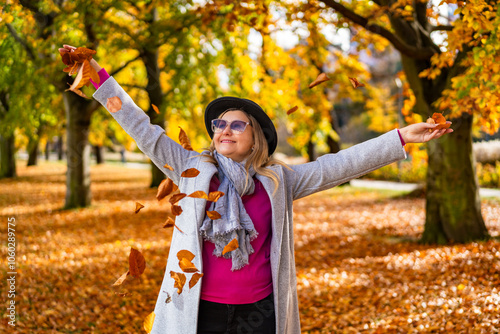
(113, 104)
(355, 83)
(165, 188)
(176, 198)
(194, 279)
(199, 194)
(167, 166)
(322, 77)
(294, 109)
(231, 246)
(184, 253)
(82, 77)
(438, 118)
(155, 108)
(180, 280)
(215, 195)
(176, 210)
(138, 207)
(122, 279)
(184, 140)
(191, 172)
(213, 215)
(187, 266)
(136, 262)
(148, 322)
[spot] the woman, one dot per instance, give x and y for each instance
(251, 289)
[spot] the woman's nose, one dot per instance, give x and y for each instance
(227, 130)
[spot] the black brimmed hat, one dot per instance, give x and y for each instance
(218, 106)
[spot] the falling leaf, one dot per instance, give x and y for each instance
(137, 263)
(166, 187)
(199, 194)
(167, 166)
(438, 118)
(180, 280)
(194, 279)
(176, 198)
(169, 223)
(184, 253)
(294, 109)
(231, 246)
(187, 266)
(122, 279)
(138, 207)
(355, 83)
(184, 140)
(214, 215)
(155, 108)
(113, 104)
(191, 172)
(322, 77)
(215, 195)
(176, 210)
(148, 322)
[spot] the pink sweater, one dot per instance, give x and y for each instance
(253, 282)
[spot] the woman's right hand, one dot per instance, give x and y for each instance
(69, 48)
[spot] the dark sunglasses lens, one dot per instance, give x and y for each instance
(238, 126)
(218, 125)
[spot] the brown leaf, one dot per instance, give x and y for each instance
(136, 262)
(169, 298)
(184, 253)
(187, 266)
(294, 109)
(215, 195)
(184, 140)
(76, 56)
(122, 279)
(199, 194)
(194, 279)
(180, 280)
(438, 118)
(138, 207)
(166, 187)
(231, 246)
(322, 77)
(113, 104)
(169, 223)
(214, 215)
(355, 83)
(82, 77)
(191, 172)
(176, 198)
(176, 210)
(155, 108)
(167, 166)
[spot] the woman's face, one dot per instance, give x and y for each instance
(233, 145)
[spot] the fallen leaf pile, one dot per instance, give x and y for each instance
(78, 62)
(359, 267)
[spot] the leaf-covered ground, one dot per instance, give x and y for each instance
(359, 267)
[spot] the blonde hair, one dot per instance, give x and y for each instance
(259, 157)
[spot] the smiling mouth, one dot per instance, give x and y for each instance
(227, 141)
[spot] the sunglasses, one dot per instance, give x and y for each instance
(218, 125)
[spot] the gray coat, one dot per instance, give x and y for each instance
(179, 316)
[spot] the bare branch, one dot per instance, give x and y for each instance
(411, 51)
(441, 28)
(132, 86)
(21, 41)
(125, 65)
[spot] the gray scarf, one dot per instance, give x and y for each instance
(235, 221)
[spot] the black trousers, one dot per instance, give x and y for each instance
(255, 318)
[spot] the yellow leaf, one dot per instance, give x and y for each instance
(148, 322)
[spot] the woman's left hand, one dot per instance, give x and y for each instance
(419, 132)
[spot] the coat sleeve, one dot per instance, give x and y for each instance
(333, 169)
(151, 139)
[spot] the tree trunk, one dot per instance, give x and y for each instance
(47, 150)
(78, 152)
(333, 145)
(33, 152)
(7, 156)
(150, 59)
(98, 154)
(310, 150)
(453, 208)
(60, 151)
